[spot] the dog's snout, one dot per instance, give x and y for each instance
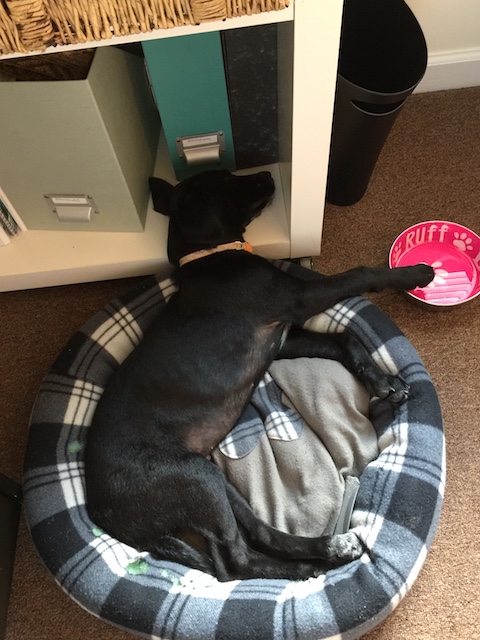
(265, 177)
(265, 181)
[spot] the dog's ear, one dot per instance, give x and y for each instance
(161, 192)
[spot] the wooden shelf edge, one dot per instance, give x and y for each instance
(266, 17)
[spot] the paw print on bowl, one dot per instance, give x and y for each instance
(397, 251)
(462, 241)
(440, 274)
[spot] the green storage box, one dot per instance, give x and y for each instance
(188, 80)
(95, 138)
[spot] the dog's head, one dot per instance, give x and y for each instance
(210, 208)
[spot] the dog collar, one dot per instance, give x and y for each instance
(228, 246)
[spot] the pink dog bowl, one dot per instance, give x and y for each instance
(454, 253)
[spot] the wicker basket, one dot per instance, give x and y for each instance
(33, 25)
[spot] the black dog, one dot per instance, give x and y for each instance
(149, 481)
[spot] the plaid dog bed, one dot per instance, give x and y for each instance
(396, 512)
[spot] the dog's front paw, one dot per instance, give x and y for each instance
(383, 385)
(418, 275)
(393, 388)
(343, 548)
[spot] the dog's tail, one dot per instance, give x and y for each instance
(176, 550)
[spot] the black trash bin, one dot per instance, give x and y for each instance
(383, 57)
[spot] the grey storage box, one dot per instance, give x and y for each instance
(93, 138)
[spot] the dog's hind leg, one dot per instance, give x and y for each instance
(243, 546)
(253, 549)
(332, 551)
(252, 563)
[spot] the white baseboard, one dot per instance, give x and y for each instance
(451, 71)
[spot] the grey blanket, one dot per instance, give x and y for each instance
(304, 433)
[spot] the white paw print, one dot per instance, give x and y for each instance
(439, 277)
(462, 241)
(396, 252)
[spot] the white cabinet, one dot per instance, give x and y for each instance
(308, 43)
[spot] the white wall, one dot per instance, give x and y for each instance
(449, 25)
(452, 31)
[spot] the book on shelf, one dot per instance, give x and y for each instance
(4, 237)
(11, 223)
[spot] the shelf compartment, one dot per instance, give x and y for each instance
(308, 45)
(50, 258)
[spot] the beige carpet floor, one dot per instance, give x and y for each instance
(429, 169)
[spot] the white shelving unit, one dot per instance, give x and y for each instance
(308, 44)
